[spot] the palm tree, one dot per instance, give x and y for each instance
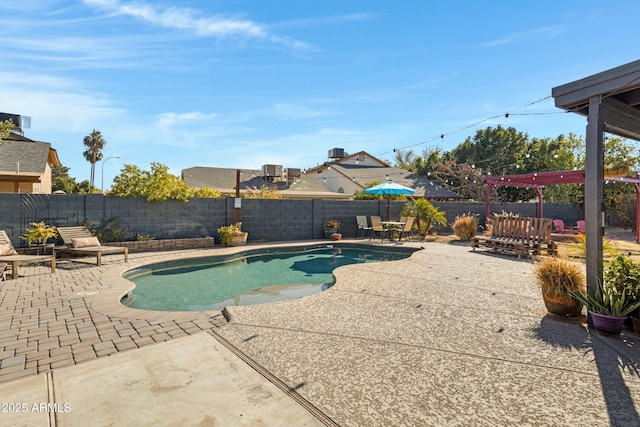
(94, 143)
(426, 215)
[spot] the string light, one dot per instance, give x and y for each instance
(506, 115)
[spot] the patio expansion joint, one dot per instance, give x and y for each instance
(289, 391)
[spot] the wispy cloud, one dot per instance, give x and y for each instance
(537, 34)
(326, 20)
(190, 20)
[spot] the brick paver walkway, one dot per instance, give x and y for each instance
(46, 320)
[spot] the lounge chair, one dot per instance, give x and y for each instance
(581, 226)
(79, 240)
(560, 228)
(362, 225)
(9, 255)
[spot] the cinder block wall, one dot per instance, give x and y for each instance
(264, 219)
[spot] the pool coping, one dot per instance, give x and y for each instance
(107, 301)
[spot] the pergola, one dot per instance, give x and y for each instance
(611, 102)
(538, 180)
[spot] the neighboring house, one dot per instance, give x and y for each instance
(350, 173)
(25, 165)
(291, 183)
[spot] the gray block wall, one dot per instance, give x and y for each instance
(264, 219)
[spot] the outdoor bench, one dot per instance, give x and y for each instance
(521, 236)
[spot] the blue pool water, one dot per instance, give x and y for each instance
(250, 277)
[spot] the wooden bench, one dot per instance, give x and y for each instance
(71, 235)
(521, 236)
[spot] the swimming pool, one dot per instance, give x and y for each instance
(250, 277)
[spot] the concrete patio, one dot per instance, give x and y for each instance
(446, 337)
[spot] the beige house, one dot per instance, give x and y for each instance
(25, 165)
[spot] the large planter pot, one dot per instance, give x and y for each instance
(562, 305)
(608, 324)
(239, 240)
(329, 232)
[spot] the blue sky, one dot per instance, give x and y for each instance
(250, 82)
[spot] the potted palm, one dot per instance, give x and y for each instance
(232, 235)
(557, 278)
(39, 233)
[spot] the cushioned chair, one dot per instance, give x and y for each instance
(581, 226)
(9, 255)
(80, 241)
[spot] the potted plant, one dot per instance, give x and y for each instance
(558, 278)
(39, 233)
(330, 228)
(232, 235)
(608, 308)
(624, 275)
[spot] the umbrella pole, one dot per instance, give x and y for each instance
(388, 203)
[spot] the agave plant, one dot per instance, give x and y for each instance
(607, 300)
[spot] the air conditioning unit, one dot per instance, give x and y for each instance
(20, 122)
(292, 172)
(272, 171)
(336, 153)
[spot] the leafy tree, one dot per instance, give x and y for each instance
(93, 154)
(61, 180)
(5, 129)
(425, 213)
(156, 184)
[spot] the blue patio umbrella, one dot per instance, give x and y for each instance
(389, 189)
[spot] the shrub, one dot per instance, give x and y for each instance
(465, 226)
(623, 275)
(228, 232)
(559, 276)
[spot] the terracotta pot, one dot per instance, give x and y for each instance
(562, 305)
(608, 324)
(336, 236)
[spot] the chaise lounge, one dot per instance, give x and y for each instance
(9, 255)
(80, 241)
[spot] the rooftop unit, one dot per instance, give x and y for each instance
(19, 122)
(270, 172)
(336, 153)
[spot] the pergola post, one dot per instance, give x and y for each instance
(594, 193)
(540, 202)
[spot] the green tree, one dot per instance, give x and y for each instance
(61, 180)
(5, 130)
(156, 184)
(93, 154)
